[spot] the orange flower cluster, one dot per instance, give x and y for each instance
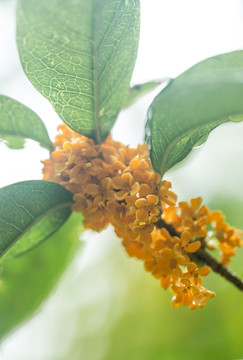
(208, 226)
(113, 184)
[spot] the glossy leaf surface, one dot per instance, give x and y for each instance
(192, 105)
(80, 55)
(30, 211)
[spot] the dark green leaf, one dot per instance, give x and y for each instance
(191, 106)
(80, 55)
(30, 211)
(27, 280)
(17, 122)
(139, 90)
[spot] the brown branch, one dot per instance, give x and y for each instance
(203, 256)
(220, 269)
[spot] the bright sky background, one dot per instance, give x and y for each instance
(175, 34)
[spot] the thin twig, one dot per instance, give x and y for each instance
(203, 256)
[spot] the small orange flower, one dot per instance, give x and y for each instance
(125, 186)
(198, 227)
(184, 292)
(147, 209)
(200, 299)
(134, 248)
(166, 195)
(165, 281)
(101, 193)
(170, 262)
(144, 232)
(187, 245)
(194, 273)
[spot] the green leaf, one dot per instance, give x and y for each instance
(191, 106)
(28, 280)
(139, 90)
(80, 55)
(18, 122)
(13, 142)
(30, 211)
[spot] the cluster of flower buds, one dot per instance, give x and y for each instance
(114, 184)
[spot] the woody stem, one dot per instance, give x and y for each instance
(202, 255)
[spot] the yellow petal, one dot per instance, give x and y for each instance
(145, 237)
(141, 215)
(191, 267)
(167, 254)
(153, 199)
(120, 195)
(168, 200)
(67, 147)
(59, 156)
(185, 238)
(92, 189)
(127, 178)
(165, 269)
(134, 164)
(140, 203)
(165, 233)
(131, 199)
(195, 203)
(134, 189)
(117, 182)
(143, 164)
(193, 247)
(177, 289)
(144, 190)
(203, 271)
(185, 282)
(180, 260)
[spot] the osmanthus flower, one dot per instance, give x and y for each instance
(186, 244)
(143, 232)
(125, 186)
(194, 273)
(166, 195)
(170, 262)
(114, 184)
(142, 171)
(101, 193)
(147, 209)
(119, 212)
(171, 215)
(134, 248)
(194, 217)
(229, 238)
(226, 252)
(198, 227)
(162, 239)
(184, 292)
(201, 298)
(165, 281)
(187, 294)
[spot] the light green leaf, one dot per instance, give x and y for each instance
(30, 211)
(27, 281)
(191, 106)
(13, 142)
(139, 90)
(80, 55)
(18, 122)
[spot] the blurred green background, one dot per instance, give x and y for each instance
(106, 307)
